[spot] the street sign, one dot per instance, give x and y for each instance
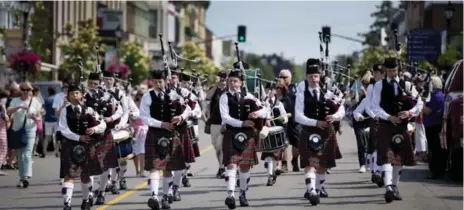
(424, 44)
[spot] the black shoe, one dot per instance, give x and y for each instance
(243, 200)
(100, 198)
(295, 165)
(220, 173)
(389, 194)
(266, 164)
(114, 189)
(91, 200)
(230, 202)
(175, 193)
(314, 199)
(396, 194)
(323, 193)
(284, 168)
(67, 207)
(153, 203)
(306, 195)
(379, 180)
(270, 180)
(122, 184)
(274, 179)
(186, 182)
(170, 198)
(108, 188)
(85, 205)
(278, 172)
(165, 204)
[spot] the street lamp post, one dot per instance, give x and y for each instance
(25, 7)
(118, 32)
(448, 13)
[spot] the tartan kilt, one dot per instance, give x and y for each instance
(326, 157)
(385, 153)
(293, 133)
(231, 156)
(372, 143)
(107, 152)
(196, 149)
(276, 155)
(187, 148)
(338, 153)
(69, 169)
(173, 161)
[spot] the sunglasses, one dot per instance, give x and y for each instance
(283, 77)
(26, 89)
(95, 83)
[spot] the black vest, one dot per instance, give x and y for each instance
(78, 125)
(315, 108)
(237, 108)
(388, 101)
(115, 94)
(160, 107)
(215, 113)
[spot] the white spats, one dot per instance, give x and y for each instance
(177, 179)
(166, 188)
(320, 179)
(388, 173)
(122, 171)
(153, 182)
(270, 165)
(396, 174)
(67, 192)
(103, 181)
(86, 187)
(310, 181)
(114, 174)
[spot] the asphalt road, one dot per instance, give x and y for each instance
(347, 188)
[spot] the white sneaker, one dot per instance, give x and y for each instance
(362, 169)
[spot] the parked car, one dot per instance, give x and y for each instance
(452, 120)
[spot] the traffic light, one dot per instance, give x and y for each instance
(326, 33)
(241, 35)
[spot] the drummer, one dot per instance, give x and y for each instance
(74, 126)
(275, 109)
(239, 138)
(160, 142)
(107, 106)
(317, 138)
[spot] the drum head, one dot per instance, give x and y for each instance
(275, 129)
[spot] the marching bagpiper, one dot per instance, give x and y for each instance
(393, 103)
(315, 111)
(239, 112)
(82, 129)
(165, 150)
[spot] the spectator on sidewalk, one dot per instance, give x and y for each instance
(51, 122)
(40, 128)
(19, 109)
(4, 124)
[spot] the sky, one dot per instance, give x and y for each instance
(291, 28)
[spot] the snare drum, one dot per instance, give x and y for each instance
(120, 135)
(276, 139)
(124, 150)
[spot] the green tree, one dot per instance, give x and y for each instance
(452, 54)
(80, 44)
(299, 73)
(382, 19)
(137, 60)
(254, 60)
(40, 39)
(205, 66)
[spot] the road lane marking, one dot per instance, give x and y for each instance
(128, 193)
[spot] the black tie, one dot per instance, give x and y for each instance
(393, 81)
(160, 95)
(237, 96)
(77, 110)
(315, 94)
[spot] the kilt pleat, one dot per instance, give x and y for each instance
(187, 148)
(328, 154)
(372, 143)
(106, 152)
(175, 159)
(385, 153)
(231, 156)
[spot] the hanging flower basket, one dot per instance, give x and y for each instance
(123, 70)
(26, 61)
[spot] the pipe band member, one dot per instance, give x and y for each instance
(82, 130)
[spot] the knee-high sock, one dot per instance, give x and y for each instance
(310, 181)
(396, 174)
(369, 161)
(122, 171)
(187, 169)
(103, 181)
(86, 189)
(114, 174)
(153, 183)
(91, 186)
(67, 192)
(110, 174)
(177, 177)
(244, 179)
(377, 168)
(166, 187)
(320, 179)
(230, 181)
(270, 165)
(387, 169)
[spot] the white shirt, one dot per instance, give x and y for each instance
(123, 102)
(224, 109)
(357, 113)
(278, 105)
(66, 132)
(134, 111)
(299, 108)
(368, 106)
(145, 110)
(378, 111)
(58, 100)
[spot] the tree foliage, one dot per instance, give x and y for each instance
(452, 54)
(254, 60)
(382, 19)
(137, 60)
(205, 66)
(80, 43)
(40, 39)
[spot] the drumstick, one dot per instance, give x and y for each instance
(287, 115)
